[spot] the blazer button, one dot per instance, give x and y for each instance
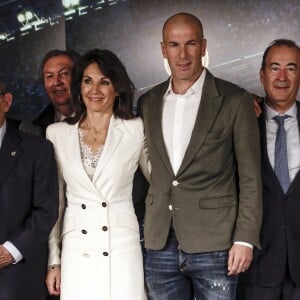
(105, 253)
(104, 204)
(104, 228)
(83, 206)
(175, 183)
(83, 231)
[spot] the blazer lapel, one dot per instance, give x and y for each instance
(114, 136)
(155, 124)
(10, 152)
(208, 110)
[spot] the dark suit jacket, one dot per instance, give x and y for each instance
(39, 125)
(46, 118)
(280, 232)
(28, 211)
(215, 197)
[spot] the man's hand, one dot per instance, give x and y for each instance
(6, 258)
(239, 259)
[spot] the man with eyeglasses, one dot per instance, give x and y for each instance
(28, 208)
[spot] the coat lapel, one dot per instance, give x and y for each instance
(78, 168)
(75, 153)
(10, 152)
(155, 124)
(208, 110)
(114, 136)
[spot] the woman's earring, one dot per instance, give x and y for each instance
(119, 104)
(79, 98)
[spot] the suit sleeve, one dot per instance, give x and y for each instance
(43, 213)
(247, 153)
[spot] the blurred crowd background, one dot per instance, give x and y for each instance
(237, 33)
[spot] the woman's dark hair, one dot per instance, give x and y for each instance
(3, 85)
(111, 67)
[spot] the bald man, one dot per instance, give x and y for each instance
(204, 207)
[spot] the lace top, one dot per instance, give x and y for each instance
(88, 159)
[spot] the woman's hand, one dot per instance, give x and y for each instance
(53, 280)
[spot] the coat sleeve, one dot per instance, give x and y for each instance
(247, 153)
(144, 162)
(55, 235)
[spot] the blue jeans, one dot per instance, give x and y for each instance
(172, 274)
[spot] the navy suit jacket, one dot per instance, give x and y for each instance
(280, 232)
(28, 211)
(39, 125)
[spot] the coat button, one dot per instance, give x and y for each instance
(175, 183)
(83, 206)
(104, 228)
(105, 253)
(104, 204)
(83, 231)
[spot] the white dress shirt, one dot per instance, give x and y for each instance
(178, 121)
(292, 138)
(16, 254)
(60, 117)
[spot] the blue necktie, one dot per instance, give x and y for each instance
(281, 162)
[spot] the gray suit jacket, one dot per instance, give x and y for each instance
(215, 197)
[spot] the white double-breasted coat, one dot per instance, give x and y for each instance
(101, 256)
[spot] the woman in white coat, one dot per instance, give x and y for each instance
(97, 154)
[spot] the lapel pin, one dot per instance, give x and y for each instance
(13, 153)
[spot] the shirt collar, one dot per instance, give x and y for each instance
(2, 132)
(60, 117)
(270, 113)
(195, 88)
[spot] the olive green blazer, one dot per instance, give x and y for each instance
(215, 197)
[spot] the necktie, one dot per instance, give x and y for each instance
(281, 162)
